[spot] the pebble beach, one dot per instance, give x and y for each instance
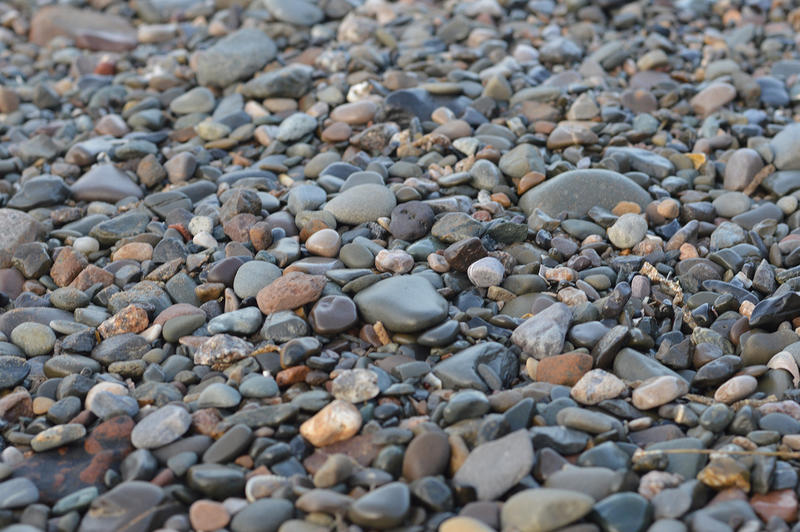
(414, 265)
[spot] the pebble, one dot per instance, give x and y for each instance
(627, 231)
(338, 421)
(398, 267)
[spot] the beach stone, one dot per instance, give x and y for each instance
(161, 427)
(784, 147)
(712, 98)
(623, 511)
(17, 493)
(486, 272)
(411, 220)
(658, 391)
(404, 303)
(741, 168)
(495, 467)
(104, 182)
(222, 350)
(291, 81)
(465, 369)
(521, 160)
(355, 385)
(235, 57)
(364, 203)
(338, 421)
(208, 515)
(426, 455)
(544, 509)
(596, 386)
(57, 436)
(252, 276)
(15, 369)
(565, 192)
(18, 228)
(296, 127)
(333, 314)
(627, 231)
(41, 191)
(382, 508)
(300, 13)
(88, 28)
(34, 339)
(264, 514)
(736, 388)
(290, 291)
(129, 502)
(543, 335)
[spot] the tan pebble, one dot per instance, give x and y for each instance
(746, 308)
(528, 181)
(41, 405)
(208, 515)
(338, 421)
(395, 261)
(626, 207)
(438, 263)
(138, 251)
(688, 251)
(668, 208)
(324, 243)
(736, 388)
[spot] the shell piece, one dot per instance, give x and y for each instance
(785, 360)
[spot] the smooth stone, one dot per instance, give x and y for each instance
(161, 427)
(544, 509)
(129, 502)
(236, 56)
(263, 515)
(252, 276)
(785, 148)
(364, 203)
(565, 192)
(104, 182)
(404, 303)
(18, 492)
(497, 466)
(382, 508)
(623, 511)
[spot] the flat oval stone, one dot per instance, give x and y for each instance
(161, 427)
(404, 303)
(567, 192)
(364, 203)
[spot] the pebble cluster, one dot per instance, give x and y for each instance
(315, 265)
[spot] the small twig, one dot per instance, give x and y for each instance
(780, 454)
(759, 177)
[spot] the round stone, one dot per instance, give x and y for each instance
(34, 339)
(325, 243)
(486, 272)
(333, 314)
(627, 231)
(254, 275)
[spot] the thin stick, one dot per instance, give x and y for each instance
(781, 454)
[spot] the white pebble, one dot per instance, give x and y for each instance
(205, 240)
(86, 245)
